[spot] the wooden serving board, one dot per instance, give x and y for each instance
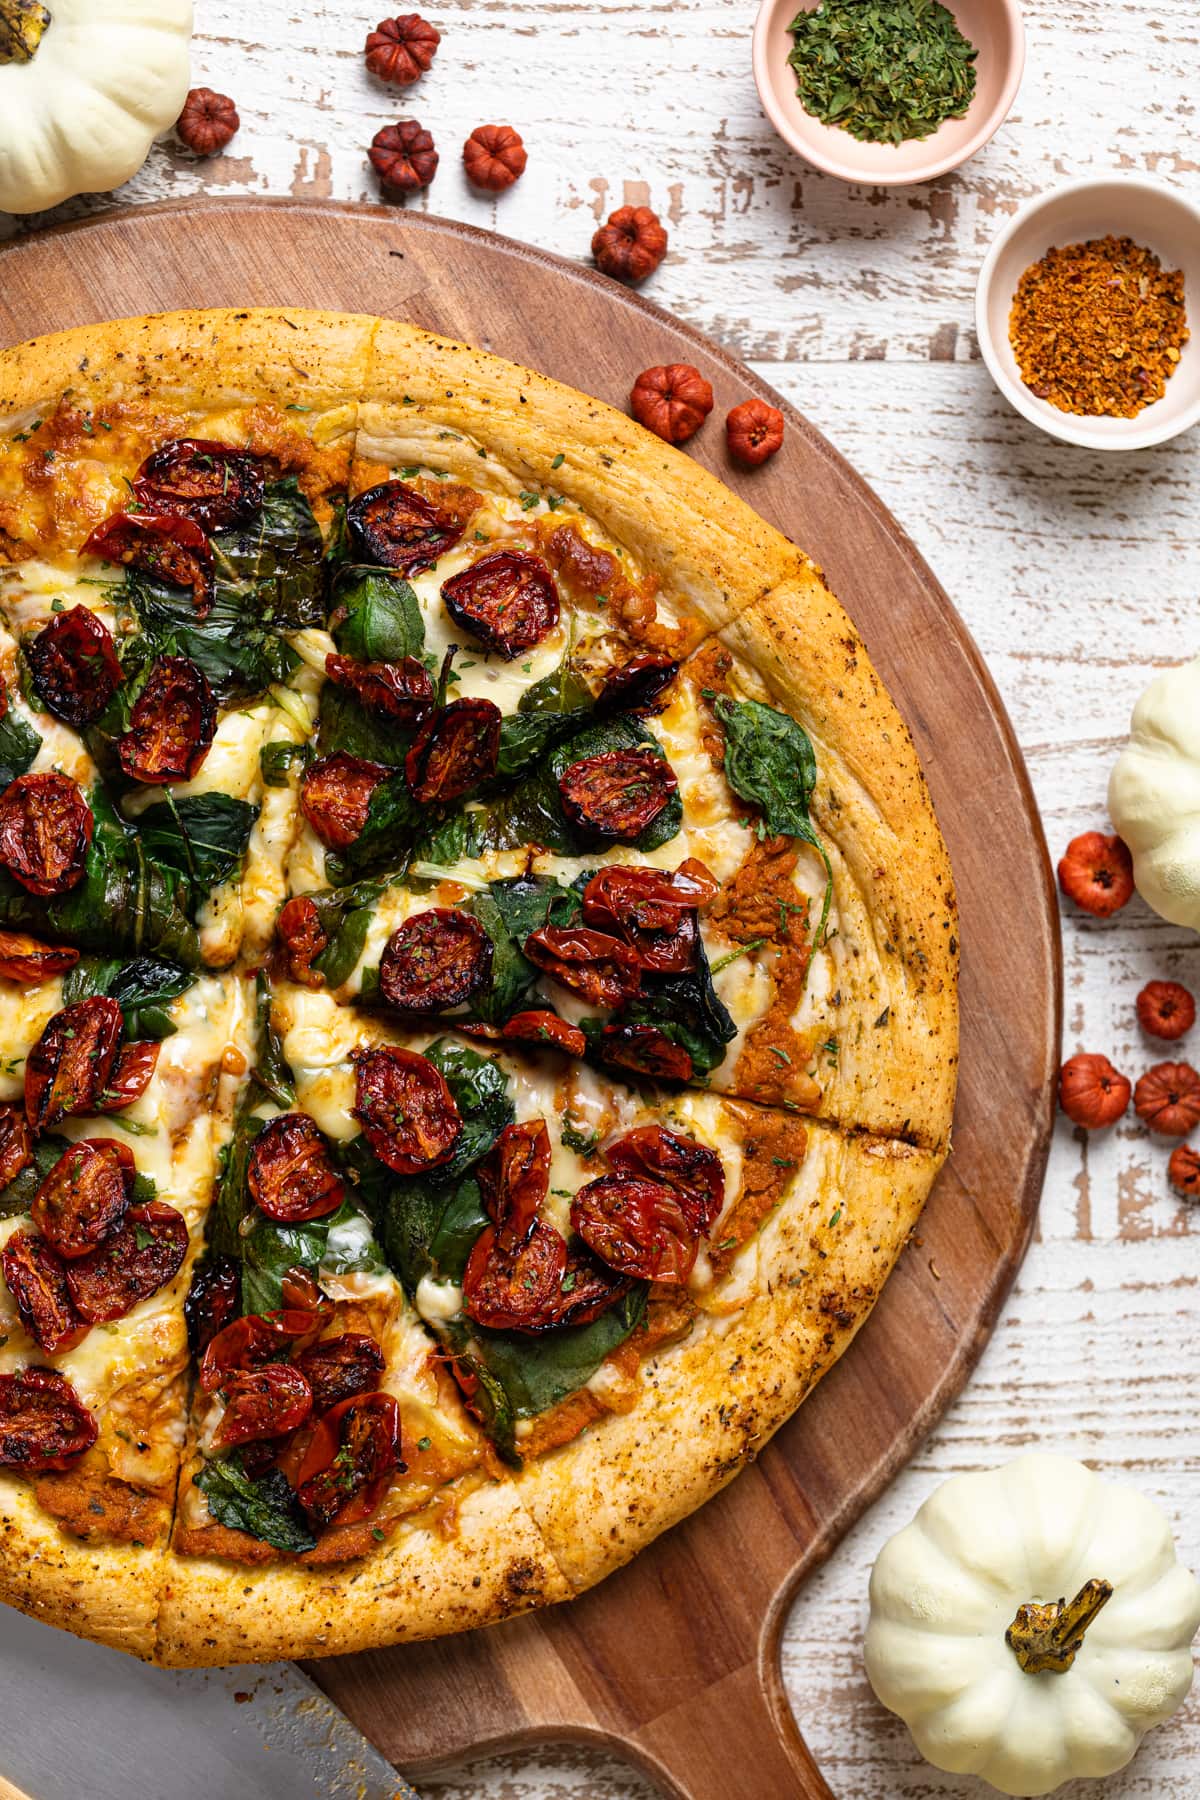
(674, 1662)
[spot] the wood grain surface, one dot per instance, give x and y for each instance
(1075, 572)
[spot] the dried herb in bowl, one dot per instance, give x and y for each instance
(885, 71)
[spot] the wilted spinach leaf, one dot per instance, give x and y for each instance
(268, 1250)
(19, 744)
(770, 761)
(271, 1069)
(393, 821)
(275, 560)
(276, 761)
(202, 836)
(17, 1197)
(376, 616)
(264, 1505)
(345, 915)
(687, 1009)
(532, 813)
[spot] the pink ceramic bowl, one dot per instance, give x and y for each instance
(995, 29)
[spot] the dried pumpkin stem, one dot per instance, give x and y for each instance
(22, 24)
(1046, 1638)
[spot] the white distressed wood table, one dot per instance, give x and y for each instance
(1077, 574)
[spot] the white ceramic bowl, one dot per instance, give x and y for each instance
(995, 29)
(1152, 214)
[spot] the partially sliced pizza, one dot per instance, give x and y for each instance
(477, 976)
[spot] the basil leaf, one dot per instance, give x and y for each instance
(376, 616)
(263, 1506)
(143, 988)
(202, 836)
(17, 1197)
(19, 744)
(770, 762)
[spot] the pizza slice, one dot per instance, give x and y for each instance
(164, 538)
(110, 1097)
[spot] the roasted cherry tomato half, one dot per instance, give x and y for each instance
(405, 1108)
(3, 698)
(400, 691)
(592, 963)
(652, 910)
(258, 1338)
(514, 1179)
(263, 1403)
(589, 1287)
(132, 1074)
(27, 960)
(338, 1368)
(212, 1301)
(516, 1290)
(142, 1255)
(637, 686)
(303, 938)
(507, 600)
(36, 1276)
(544, 1029)
(395, 527)
(16, 1143)
(74, 667)
(437, 959)
(45, 829)
(639, 1227)
(335, 796)
(291, 1174)
(43, 1423)
(454, 752)
(209, 483)
(166, 546)
(68, 1069)
(617, 794)
(354, 1452)
(172, 725)
(645, 1050)
(85, 1196)
(693, 1169)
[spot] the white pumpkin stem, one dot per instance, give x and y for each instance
(1045, 1638)
(22, 23)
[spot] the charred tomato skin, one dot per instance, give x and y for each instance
(400, 691)
(291, 1176)
(214, 485)
(679, 1161)
(141, 1256)
(335, 796)
(46, 828)
(28, 960)
(639, 1227)
(212, 1302)
(519, 1289)
(616, 795)
(644, 1050)
(167, 546)
(16, 1143)
(258, 1338)
(171, 726)
(338, 1368)
(36, 1277)
(592, 963)
(44, 1425)
(514, 1179)
(507, 600)
(637, 686)
(436, 960)
(407, 1112)
(454, 752)
(394, 526)
(262, 1403)
(303, 937)
(74, 667)
(85, 1196)
(68, 1069)
(131, 1075)
(354, 1452)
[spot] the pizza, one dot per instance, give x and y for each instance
(477, 985)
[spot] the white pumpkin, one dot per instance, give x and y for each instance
(1154, 795)
(992, 1554)
(83, 95)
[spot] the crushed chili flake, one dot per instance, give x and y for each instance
(1098, 328)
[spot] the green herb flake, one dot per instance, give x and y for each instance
(886, 71)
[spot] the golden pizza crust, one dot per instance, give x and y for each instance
(799, 1290)
(897, 951)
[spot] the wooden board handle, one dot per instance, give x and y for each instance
(736, 1740)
